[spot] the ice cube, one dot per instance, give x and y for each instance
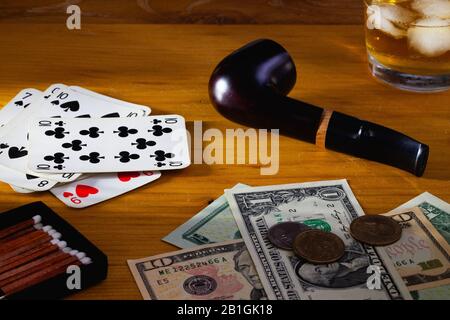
(390, 19)
(433, 8)
(430, 36)
(397, 14)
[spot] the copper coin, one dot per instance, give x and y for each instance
(375, 230)
(318, 246)
(282, 234)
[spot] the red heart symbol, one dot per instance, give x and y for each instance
(127, 176)
(83, 190)
(67, 194)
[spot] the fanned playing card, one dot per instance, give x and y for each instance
(56, 102)
(101, 187)
(108, 144)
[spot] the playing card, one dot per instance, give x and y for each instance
(61, 91)
(57, 101)
(20, 190)
(101, 187)
(24, 180)
(12, 115)
(108, 145)
(145, 109)
(19, 103)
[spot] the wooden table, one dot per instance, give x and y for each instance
(167, 67)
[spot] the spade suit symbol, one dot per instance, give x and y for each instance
(72, 106)
(15, 152)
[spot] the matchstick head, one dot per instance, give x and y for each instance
(37, 219)
(61, 244)
(56, 235)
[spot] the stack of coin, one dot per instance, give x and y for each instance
(320, 247)
(313, 245)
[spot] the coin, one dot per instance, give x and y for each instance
(375, 230)
(282, 234)
(318, 246)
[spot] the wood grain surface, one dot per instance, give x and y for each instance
(167, 67)
(187, 11)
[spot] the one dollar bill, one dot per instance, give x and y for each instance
(220, 271)
(329, 206)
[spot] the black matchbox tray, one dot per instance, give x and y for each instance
(56, 287)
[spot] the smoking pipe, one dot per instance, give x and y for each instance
(250, 86)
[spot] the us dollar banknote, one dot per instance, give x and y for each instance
(213, 224)
(422, 255)
(329, 206)
(220, 271)
(437, 212)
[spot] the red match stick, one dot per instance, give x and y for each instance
(29, 243)
(22, 225)
(20, 233)
(35, 253)
(32, 267)
(40, 276)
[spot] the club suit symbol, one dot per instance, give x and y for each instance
(60, 123)
(125, 132)
(93, 157)
(125, 156)
(57, 158)
(72, 106)
(92, 132)
(160, 164)
(156, 121)
(58, 133)
(161, 155)
(59, 167)
(159, 130)
(75, 145)
(142, 144)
